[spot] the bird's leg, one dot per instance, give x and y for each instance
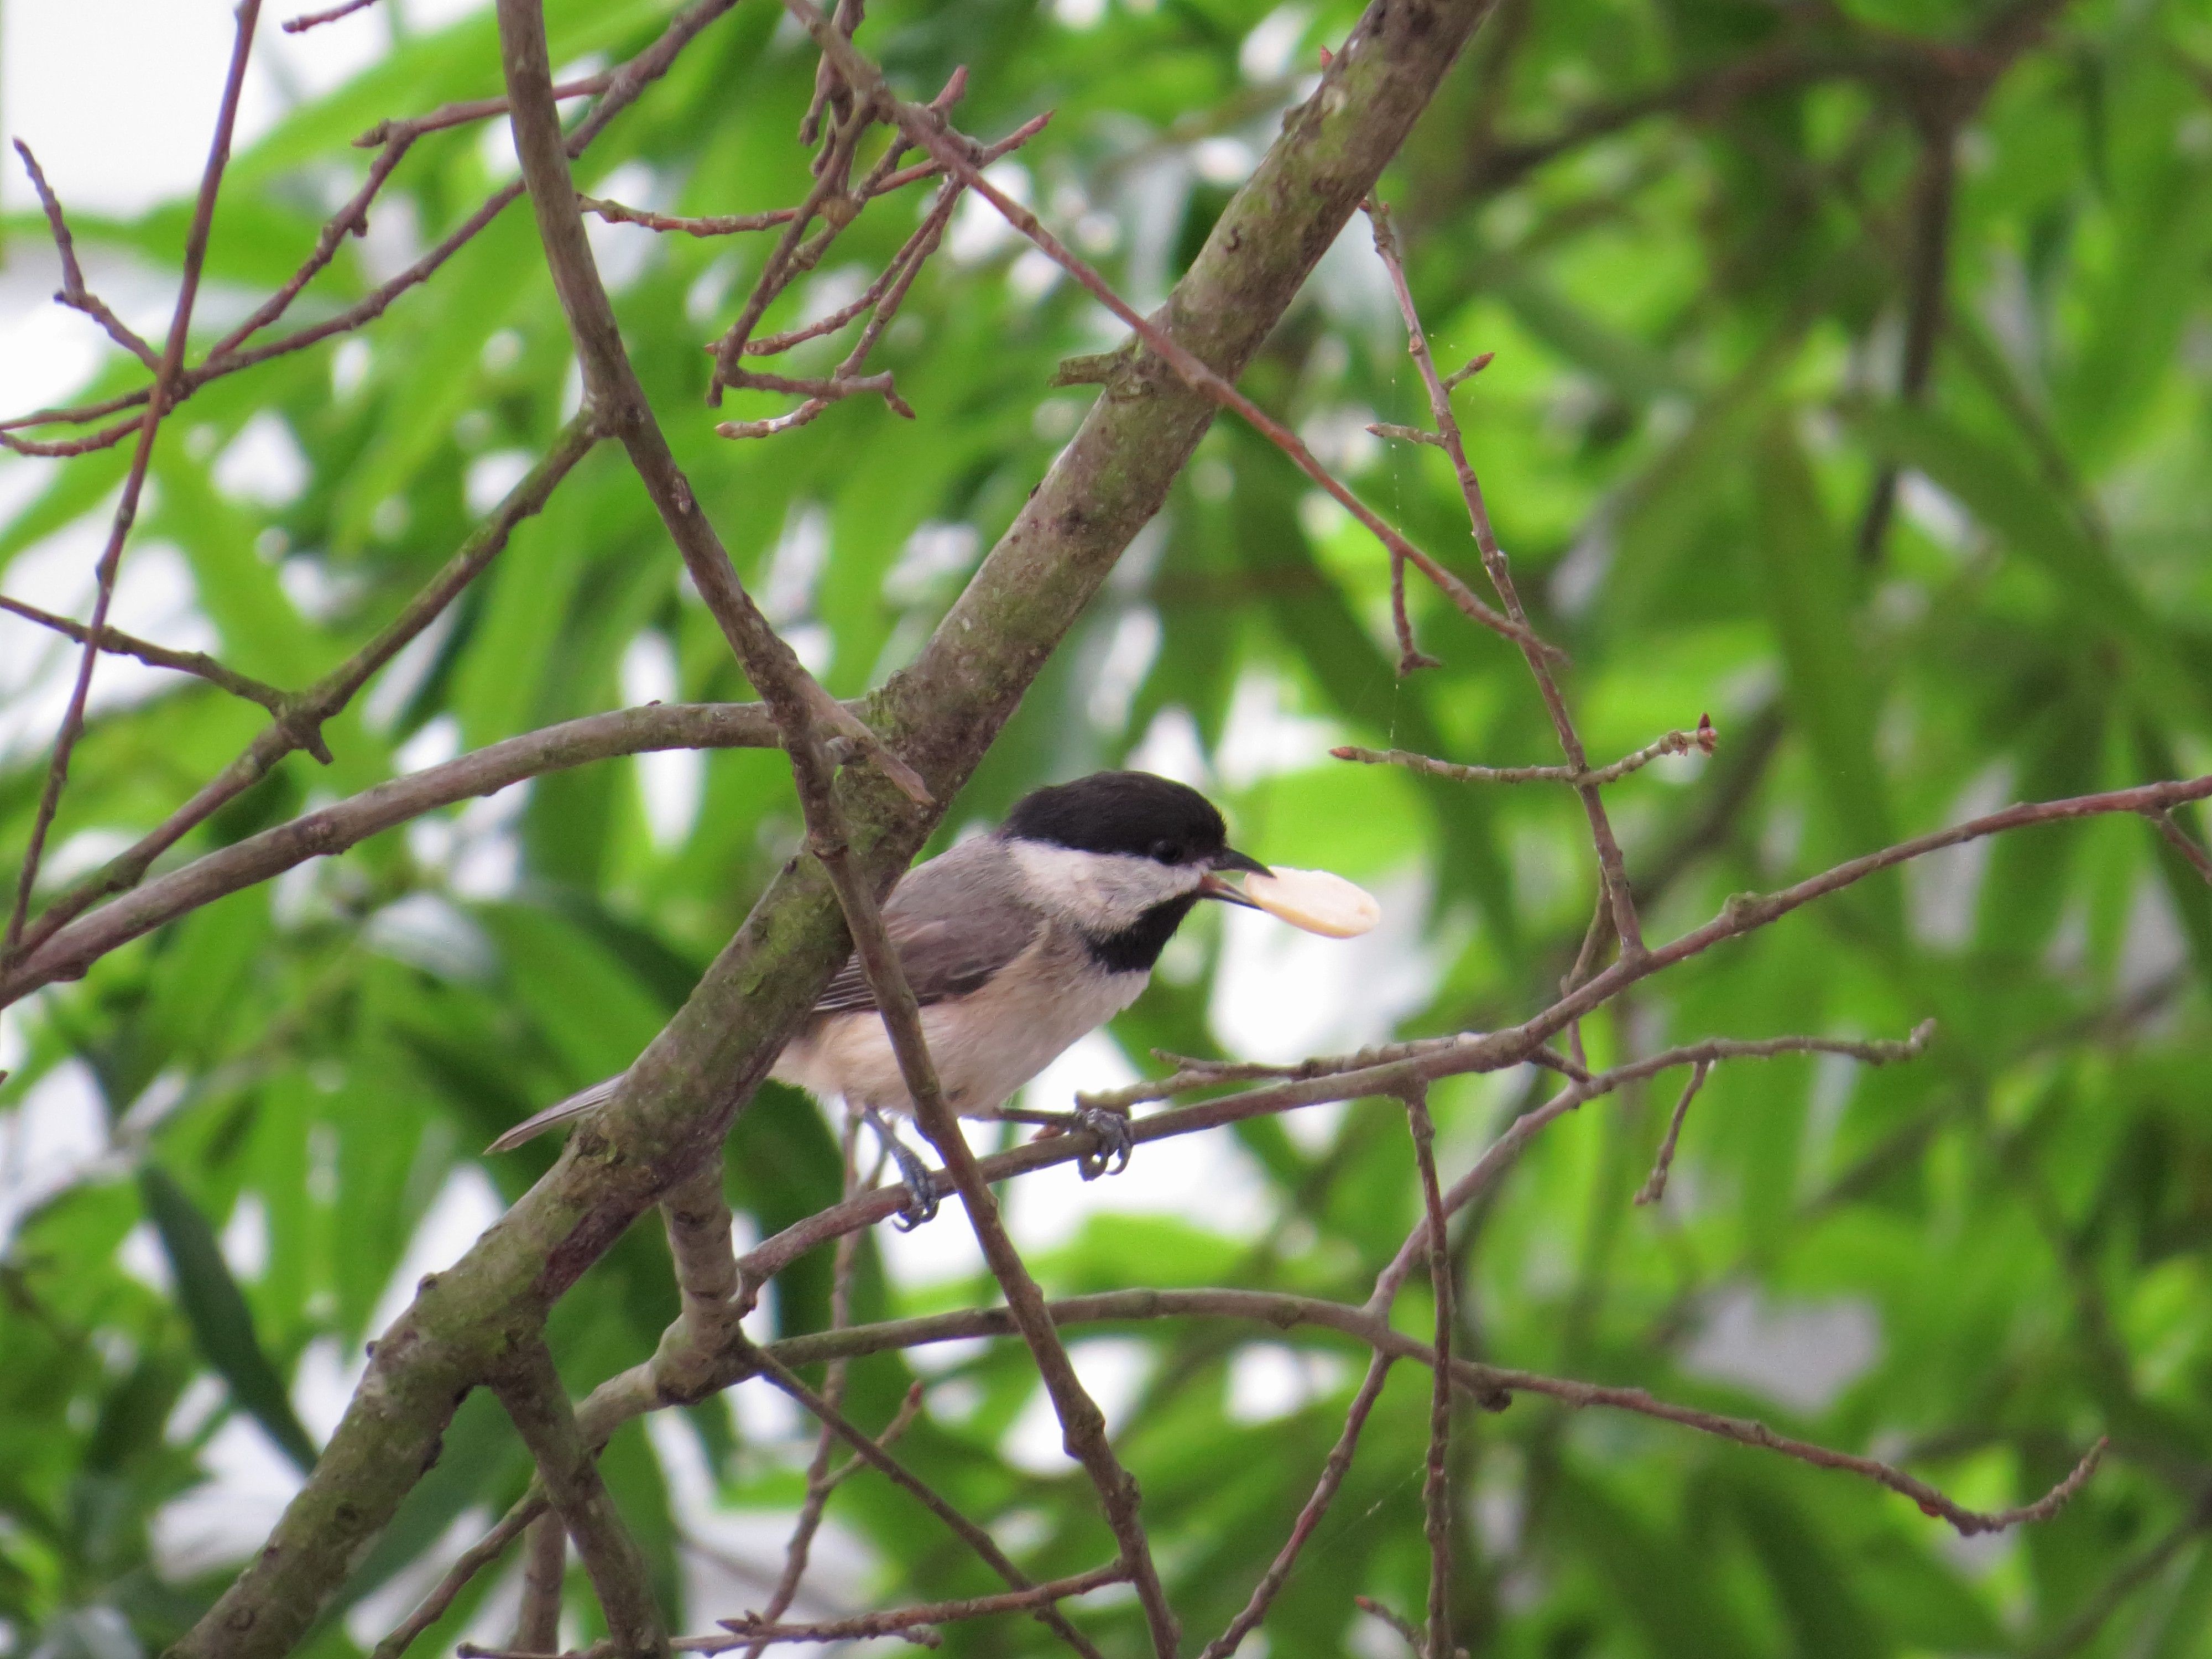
(921, 1191)
(1108, 1128)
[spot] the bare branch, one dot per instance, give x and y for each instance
(126, 510)
(300, 725)
(1611, 867)
(1655, 1186)
(195, 663)
(955, 154)
(74, 293)
(2182, 843)
(307, 20)
(530, 1387)
(1436, 1489)
(546, 1564)
(473, 1560)
(1702, 741)
(903, 1621)
(1487, 1385)
(871, 1453)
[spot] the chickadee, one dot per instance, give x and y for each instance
(1017, 943)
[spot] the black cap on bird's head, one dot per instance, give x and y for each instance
(1137, 815)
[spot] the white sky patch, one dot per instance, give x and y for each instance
(1033, 276)
(1799, 1354)
(227, 1517)
(1280, 994)
(437, 742)
(1944, 886)
(1171, 747)
(801, 554)
(977, 230)
(671, 781)
(464, 1206)
(1262, 738)
(623, 251)
(1223, 159)
(1128, 657)
(1268, 1380)
(262, 464)
(154, 599)
(55, 1136)
(491, 476)
(1078, 14)
(1268, 51)
(934, 552)
(245, 1239)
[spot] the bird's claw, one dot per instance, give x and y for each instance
(1115, 1139)
(921, 1202)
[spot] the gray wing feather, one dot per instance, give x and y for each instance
(954, 921)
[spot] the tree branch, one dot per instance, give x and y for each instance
(530, 1387)
(115, 641)
(134, 483)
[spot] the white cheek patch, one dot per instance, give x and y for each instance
(1100, 892)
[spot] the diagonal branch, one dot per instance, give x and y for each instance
(299, 725)
(871, 1452)
(530, 1387)
(74, 293)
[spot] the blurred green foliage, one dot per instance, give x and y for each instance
(1701, 297)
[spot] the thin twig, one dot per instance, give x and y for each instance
(126, 510)
(1611, 868)
(300, 725)
(1701, 741)
(1655, 1186)
(195, 663)
(544, 1566)
(530, 1388)
(1309, 1515)
(1390, 1616)
(473, 1560)
(1487, 1385)
(954, 153)
(820, 1479)
(307, 20)
(74, 293)
(1436, 1489)
(903, 1621)
(872, 1452)
(2182, 843)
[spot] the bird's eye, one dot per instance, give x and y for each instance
(1168, 852)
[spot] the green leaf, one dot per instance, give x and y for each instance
(214, 1306)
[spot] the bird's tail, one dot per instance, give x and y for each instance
(560, 1112)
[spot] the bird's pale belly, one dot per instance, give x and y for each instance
(985, 1045)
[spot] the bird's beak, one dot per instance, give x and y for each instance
(1212, 886)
